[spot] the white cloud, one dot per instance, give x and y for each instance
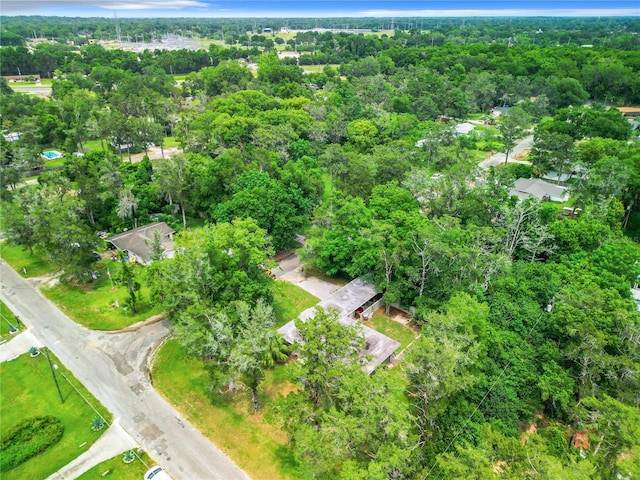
(17, 7)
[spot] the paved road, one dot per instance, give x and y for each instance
(112, 367)
(497, 159)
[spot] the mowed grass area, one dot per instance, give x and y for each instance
(28, 390)
(258, 447)
(318, 68)
(227, 419)
(94, 304)
(20, 258)
(289, 301)
(389, 327)
(116, 469)
(7, 318)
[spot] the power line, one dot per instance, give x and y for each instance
(485, 396)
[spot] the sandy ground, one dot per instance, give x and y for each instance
(154, 153)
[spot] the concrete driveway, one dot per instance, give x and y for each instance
(292, 271)
(498, 159)
(113, 367)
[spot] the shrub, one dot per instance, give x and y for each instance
(28, 439)
(128, 457)
(97, 424)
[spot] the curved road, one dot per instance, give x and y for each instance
(112, 367)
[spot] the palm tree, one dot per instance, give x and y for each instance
(127, 206)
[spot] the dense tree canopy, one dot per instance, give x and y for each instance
(528, 331)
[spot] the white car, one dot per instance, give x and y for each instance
(436, 176)
(156, 473)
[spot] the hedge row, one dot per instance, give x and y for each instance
(27, 439)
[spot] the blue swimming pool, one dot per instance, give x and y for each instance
(52, 155)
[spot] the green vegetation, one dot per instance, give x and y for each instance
(22, 260)
(525, 313)
(225, 418)
(28, 390)
(102, 305)
(8, 322)
(289, 301)
(393, 329)
(119, 470)
(28, 439)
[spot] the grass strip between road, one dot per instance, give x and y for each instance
(116, 469)
(226, 418)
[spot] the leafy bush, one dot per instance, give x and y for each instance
(97, 424)
(28, 439)
(128, 457)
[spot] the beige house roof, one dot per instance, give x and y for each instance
(378, 347)
(138, 242)
(534, 187)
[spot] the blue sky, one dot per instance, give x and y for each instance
(318, 8)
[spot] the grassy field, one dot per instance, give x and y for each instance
(116, 469)
(289, 301)
(170, 142)
(94, 305)
(20, 258)
(28, 390)
(226, 419)
(318, 68)
(387, 326)
(7, 318)
(93, 145)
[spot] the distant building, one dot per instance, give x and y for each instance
(12, 136)
(463, 128)
(21, 78)
(534, 187)
(357, 299)
(138, 243)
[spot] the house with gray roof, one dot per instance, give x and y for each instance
(138, 242)
(534, 187)
(356, 299)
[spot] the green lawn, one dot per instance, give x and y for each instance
(116, 469)
(94, 145)
(227, 419)
(289, 301)
(7, 318)
(170, 142)
(392, 329)
(94, 305)
(318, 68)
(28, 390)
(20, 258)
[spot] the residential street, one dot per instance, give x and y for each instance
(112, 367)
(498, 158)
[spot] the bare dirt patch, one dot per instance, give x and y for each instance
(154, 153)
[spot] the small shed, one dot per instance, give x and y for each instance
(138, 242)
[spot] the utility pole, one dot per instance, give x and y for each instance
(53, 372)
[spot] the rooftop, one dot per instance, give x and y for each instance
(139, 241)
(534, 187)
(346, 301)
